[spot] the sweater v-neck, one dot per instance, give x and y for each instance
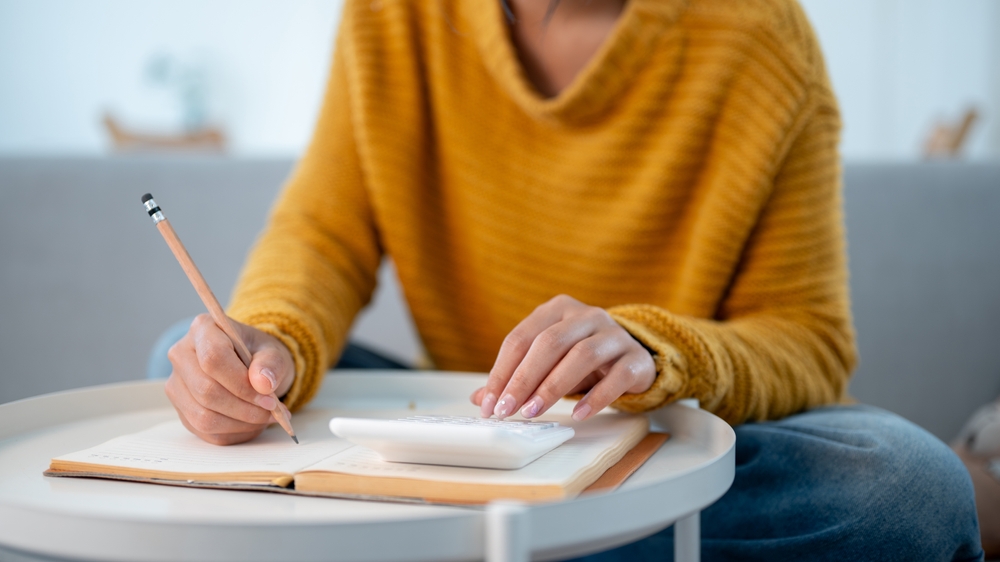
(602, 80)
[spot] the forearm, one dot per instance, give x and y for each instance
(753, 368)
(305, 302)
(781, 340)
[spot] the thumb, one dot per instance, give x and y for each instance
(271, 370)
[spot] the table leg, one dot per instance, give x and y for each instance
(687, 538)
(508, 532)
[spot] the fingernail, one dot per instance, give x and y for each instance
(269, 375)
(486, 409)
(581, 412)
(505, 406)
(266, 402)
(531, 409)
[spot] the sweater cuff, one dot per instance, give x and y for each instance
(305, 351)
(671, 370)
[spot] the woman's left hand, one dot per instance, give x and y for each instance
(565, 347)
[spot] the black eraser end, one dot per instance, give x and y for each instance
(146, 197)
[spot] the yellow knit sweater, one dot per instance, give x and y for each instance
(687, 181)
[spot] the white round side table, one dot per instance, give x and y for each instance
(81, 519)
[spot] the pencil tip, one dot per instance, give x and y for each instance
(296, 439)
(146, 197)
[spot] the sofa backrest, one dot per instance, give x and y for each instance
(924, 249)
(87, 284)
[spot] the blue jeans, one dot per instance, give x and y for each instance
(836, 483)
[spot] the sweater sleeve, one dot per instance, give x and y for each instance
(314, 266)
(782, 339)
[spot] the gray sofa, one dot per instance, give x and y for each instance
(87, 285)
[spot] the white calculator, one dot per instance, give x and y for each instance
(454, 440)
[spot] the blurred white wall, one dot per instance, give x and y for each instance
(897, 65)
(63, 62)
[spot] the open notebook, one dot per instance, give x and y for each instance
(323, 464)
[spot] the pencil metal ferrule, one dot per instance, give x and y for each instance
(154, 211)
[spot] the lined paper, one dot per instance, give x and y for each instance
(169, 447)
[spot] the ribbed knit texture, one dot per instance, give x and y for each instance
(687, 181)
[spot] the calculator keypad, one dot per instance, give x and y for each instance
(455, 440)
(509, 425)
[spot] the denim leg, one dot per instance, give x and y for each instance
(357, 356)
(835, 483)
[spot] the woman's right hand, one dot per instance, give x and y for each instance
(212, 391)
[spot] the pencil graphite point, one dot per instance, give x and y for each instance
(296, 439)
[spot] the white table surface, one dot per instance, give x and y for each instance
(82, 519)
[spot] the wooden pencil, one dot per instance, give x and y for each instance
(280, 412)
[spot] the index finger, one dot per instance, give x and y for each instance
(513, 350)
(217, 358)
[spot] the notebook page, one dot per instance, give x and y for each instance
(594, 438)
(169, 447)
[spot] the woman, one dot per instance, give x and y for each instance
(672, 167)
